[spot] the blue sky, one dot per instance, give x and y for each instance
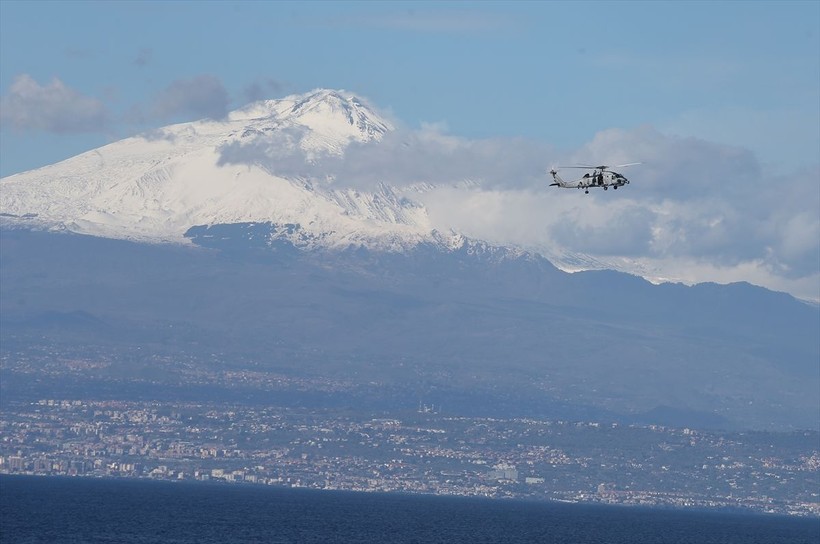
(720, 100)
(740, 73)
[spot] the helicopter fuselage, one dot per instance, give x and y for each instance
(603, 179)
(598, 178)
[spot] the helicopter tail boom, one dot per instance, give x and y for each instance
(558, 181)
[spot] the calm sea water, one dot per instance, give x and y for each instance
(81, 510)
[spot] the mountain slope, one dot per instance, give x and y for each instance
(481, 330)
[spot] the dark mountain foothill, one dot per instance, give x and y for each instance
(478, 329)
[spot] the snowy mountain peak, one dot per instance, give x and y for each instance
(324, 104)
(156, 187)
(330, 119)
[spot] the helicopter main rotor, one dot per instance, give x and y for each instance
(602, 168)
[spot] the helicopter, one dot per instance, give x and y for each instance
(601, 176)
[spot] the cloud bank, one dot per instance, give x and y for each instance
(694, 211)
(200, 96)
(54, 107)
(57, 108)
(401, 158)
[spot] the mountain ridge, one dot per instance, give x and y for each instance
(509, 331)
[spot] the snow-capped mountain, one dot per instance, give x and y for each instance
(428, 311)
(154, 187)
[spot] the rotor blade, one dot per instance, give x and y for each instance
(600, 167)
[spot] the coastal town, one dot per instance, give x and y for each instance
(414, 451)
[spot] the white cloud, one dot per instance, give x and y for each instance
(52, 108)
(621, 229)
(694, 210)
(200, 96)
(401, 158)
(262, 89)
(760, 130)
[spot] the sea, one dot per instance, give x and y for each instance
(88, 510)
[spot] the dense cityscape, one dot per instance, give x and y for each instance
(418, 451)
